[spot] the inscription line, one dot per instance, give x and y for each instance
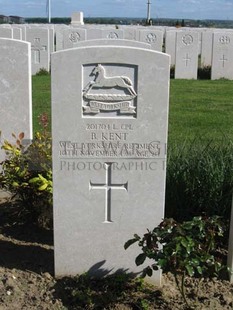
(109, 158)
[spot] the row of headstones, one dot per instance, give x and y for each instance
(184, 46)
(109, 129)
(215, 50)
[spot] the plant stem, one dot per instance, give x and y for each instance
(182, 288)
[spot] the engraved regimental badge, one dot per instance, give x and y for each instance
(108, 93)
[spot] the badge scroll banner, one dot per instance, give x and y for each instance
(97, 106)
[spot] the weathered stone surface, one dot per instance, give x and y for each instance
(109, 154)
(40, 49)
(187, 47)
(222, 61)
(15, 90)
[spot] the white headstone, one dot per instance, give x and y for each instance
(51, 40)
(39, 39)
(23, 30)
(72, 36)
(17, 33)
(152, 37)
(130, 33)
(187, 46)
(15, 90)
(230, 247)
(222, 61)
(6, 33)
(112, 34)
(206, 48)
(77, 18)
(94, 33)
(109, 143)
(118, 42)
(59, 36)
(170, 45)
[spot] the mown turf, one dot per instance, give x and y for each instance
(198, 108)
(41, 98)
(201, 109)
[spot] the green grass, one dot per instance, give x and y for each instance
(41, 98)
(198, 108)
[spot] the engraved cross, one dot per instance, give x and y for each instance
(186, 59)
(37, 48)
(108, 187)
(223, 59)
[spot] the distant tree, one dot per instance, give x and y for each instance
(177, 24)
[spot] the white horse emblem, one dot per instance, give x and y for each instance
(101, 80)
(108, 101)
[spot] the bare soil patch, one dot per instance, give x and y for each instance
(27, 281)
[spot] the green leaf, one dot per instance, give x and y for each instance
(140, 259)
(34, 180)
(195, 261)
(190, 270)
(42, 178)
(149, 271)
(129, 243)
(162, 262)
(199, 269)
(155, 267)
(184, 243)
(43, 187)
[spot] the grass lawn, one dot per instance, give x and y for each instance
(41, 98)
(199, 109)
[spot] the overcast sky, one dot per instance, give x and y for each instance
(194, 9)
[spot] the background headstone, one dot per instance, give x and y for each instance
(6, 33)
(130, 33)
(230, 247)
(152, 37)
(77, 18)
(187, 46)
(94, 33)
(17, 33)
(40, 49)
(206, 48)
(72, 36)
(222, 60)
(170, 45)
(15, 90)
(112, 34)
(118, 42)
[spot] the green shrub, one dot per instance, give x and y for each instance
(186, 249)
(172, 72)
(42, 71)
(204, 73)
(27, 174)
(199, 180)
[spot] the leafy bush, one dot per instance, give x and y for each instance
(27, 174)
(199, 180)
(42, 71)
(204, 73)
(187, 249)
(172, 72)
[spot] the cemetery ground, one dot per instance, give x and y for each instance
(200, 119)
